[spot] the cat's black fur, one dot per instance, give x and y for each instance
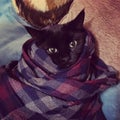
(63, 43)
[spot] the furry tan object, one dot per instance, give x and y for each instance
(39, 13)
(45, 5)
(103, 20)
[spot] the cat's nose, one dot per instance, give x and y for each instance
(65, 59)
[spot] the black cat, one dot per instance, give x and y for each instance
(63, 43)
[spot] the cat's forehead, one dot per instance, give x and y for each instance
(53, 28)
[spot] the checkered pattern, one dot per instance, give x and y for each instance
(36, 89)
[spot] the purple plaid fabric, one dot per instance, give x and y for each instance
(35, 89)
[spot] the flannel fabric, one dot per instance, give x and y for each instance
(35, 89)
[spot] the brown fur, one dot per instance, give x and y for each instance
(55, 3)
(38, 18)
(103, 20)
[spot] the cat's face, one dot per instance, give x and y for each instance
(63, 43)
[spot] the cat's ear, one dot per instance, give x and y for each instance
(76, 23)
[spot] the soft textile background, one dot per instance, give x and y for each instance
(103, 20)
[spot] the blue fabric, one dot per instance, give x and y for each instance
(111, 103)
(12, 34)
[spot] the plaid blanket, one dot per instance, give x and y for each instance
(35, 89)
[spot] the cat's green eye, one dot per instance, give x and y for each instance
(73, 44)
(52, 50)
